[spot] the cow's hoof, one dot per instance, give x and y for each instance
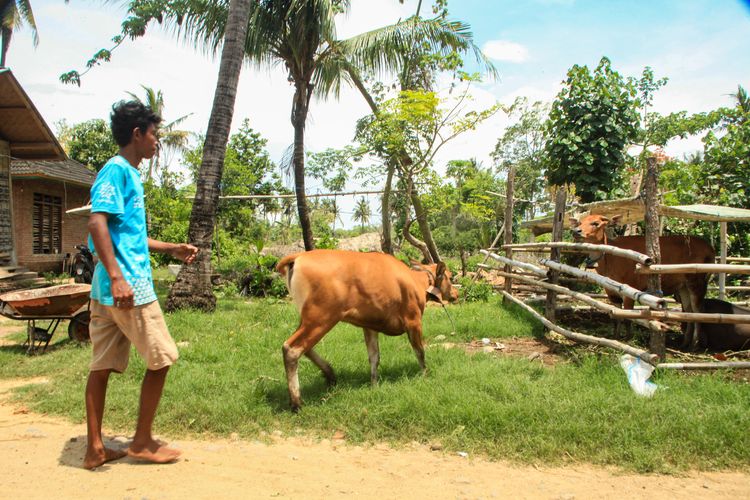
(295, 409)
(331, 380)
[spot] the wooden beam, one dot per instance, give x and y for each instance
(565, 246)
(608, 283)
(692, 269)
(723, 259)
(678, 316)
(580, 337)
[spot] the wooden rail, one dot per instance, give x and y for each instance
(565, 246)
(580, 337)
(692, 269)
(619, 288)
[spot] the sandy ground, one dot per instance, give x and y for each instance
(41, 456)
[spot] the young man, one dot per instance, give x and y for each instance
(124, 308)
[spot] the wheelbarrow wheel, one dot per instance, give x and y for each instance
(78, 328)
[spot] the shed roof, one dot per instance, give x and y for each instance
(21, 124)
(632, 210)
(67, 170)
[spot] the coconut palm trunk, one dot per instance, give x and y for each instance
(192, 289)
(299, 117)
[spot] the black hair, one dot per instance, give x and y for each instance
(126, 116)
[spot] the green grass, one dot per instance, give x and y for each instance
(230, 378)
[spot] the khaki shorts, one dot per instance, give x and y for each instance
(113, 329)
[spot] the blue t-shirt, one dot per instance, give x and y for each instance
(118, 191)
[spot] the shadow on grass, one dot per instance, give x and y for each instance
(316, 392)
(20, 348)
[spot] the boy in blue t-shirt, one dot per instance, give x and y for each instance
(124, 309)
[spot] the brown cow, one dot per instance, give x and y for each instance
(688, 289)
(724, 336)
(374, 291)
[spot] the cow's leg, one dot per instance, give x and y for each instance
(694, 301)
(414, 331)
(684, 297)
(373, 353)
(301, 341)
(323, 365)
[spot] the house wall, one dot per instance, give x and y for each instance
(74, 230)
(6, 234)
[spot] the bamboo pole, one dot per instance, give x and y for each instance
(678, 316)
(692, 269)
(619, 288)
(723, 259)
(580, 337)
(558, 224)
(566, 246)
(538, 271)
(736, 259)
(732, 288)
(704, 366)
(508, 224)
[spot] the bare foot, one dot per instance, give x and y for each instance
(154, 452)
(95, 458)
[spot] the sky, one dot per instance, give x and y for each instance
(702, 46)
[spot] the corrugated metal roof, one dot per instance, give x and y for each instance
(21, 124)
(67, 170)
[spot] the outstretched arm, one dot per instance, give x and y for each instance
(180, 251)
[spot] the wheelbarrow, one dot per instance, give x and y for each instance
(53, 304)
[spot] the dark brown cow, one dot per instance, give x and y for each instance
(688, 289)
(720, 336)
(374, 291)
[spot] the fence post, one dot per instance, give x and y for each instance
(508, 227)
(723, 260)
(657, 342)
(558, 225)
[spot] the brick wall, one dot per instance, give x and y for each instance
(74, 231)
(6, 241)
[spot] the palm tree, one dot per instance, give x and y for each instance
(171, 139)
(362, 213)
(301, 35)
(192, 288)
(14, 14)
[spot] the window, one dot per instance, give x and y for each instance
(47, 224)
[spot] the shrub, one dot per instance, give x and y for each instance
(475, 291)
(253, 274)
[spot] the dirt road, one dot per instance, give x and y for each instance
(40, 457)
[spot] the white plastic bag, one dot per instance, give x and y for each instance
(638, 372)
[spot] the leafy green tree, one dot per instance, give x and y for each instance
(523, 145)
(90, 142)
(13, 15)
(248, 170)
(593, 120)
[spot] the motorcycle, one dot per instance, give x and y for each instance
(82, 268)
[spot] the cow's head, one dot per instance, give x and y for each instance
(443, 288)
(592, 228)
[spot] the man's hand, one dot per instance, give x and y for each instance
(122, 293)
(184, 252)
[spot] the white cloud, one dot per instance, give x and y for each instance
(504, 50)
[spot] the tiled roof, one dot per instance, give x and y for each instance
(66, 170)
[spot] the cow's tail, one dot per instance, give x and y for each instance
(286, 267)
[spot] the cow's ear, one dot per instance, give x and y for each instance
(615, 219)
(574, 222)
